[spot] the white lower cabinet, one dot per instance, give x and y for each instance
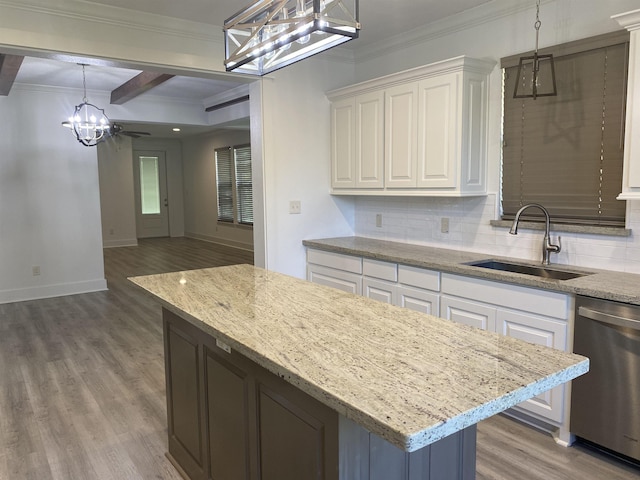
(336, 270)
(380, 290)
(541, 331)
(330, 277)
(537, 316)
(402, 285)
(418, 299)
(475, 314)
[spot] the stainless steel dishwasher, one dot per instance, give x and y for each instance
(605, 402)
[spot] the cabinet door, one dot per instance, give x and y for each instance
(539, 331)
(345, 281)
(230, 414)
(184, 396)
(298, 436)
(401, 130)
(379, 290)
(343, 151)
(419, 300)
(438, 131)
(369, 153)
(476, 314)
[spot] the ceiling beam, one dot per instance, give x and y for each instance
(139, 84)
(9, 67)
(212, 108)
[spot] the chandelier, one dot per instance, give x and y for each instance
(88, 122)
(536, 73)
(271, 34)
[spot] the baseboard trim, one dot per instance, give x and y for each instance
(127, 242)
(220, 241)
(50, 291)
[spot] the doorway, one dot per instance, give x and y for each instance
(152, 201)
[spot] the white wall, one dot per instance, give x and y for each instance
(501, 33)
(49, 200)
(296, 152)
(200, 192)
(117, 197)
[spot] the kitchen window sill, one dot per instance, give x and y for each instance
(562, 227)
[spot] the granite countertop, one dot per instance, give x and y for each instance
(407, 377)
(605, 284)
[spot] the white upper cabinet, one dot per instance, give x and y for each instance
(357, 130)
(418, 132)
(343, 144)
(438, 131)
(631, 169)
(400, 135)
(369, 140)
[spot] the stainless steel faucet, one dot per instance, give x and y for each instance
(547, 246)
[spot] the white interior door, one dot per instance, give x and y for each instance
(152, 202)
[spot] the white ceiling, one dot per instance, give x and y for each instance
(380, 19)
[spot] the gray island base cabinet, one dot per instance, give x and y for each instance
(230, 419)
(271, 377)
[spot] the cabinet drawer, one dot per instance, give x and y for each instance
(379, 269)
(419, 277)
(542, 302)
(340, 261)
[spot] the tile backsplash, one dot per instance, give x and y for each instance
(419, 220)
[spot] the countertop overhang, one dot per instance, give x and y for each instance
(408, 377)
(598, 283)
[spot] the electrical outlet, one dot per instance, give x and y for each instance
(294, 207)
(444, 225)
(378, 220)
(36, 270)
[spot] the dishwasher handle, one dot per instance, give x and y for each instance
(608, 319)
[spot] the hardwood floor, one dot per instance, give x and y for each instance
(82, 392)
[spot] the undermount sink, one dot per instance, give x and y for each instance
(542, 272)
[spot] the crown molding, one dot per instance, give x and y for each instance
(482, 14)
(628, 20)
(88, 12)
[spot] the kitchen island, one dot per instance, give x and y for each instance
(273, 377)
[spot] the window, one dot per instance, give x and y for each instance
(149, 186)
(233, 180)
(565, 152)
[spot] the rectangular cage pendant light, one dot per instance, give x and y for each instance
(271, 34)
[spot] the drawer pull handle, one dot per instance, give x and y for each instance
(608, 319)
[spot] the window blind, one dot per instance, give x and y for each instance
(244, 189)
(224, 183)
(565, 152)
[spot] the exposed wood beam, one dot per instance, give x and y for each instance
(212, 108)
(137, 85)
(9, 67)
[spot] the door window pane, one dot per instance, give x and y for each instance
(149, 186)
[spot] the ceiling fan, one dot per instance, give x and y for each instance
(118, 129)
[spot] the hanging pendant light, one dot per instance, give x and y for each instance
(89, 123)
(271, 34)
(536, 73)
